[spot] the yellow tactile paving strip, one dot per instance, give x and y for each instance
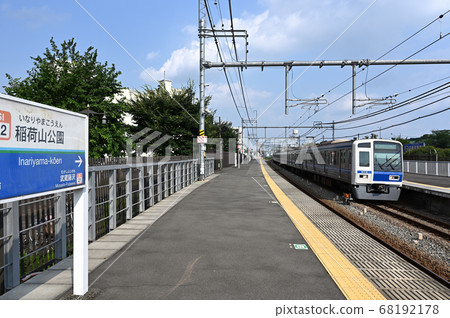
(351, 282)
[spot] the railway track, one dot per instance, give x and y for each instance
(398, 250)
(417, 220)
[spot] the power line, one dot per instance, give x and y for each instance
(395, 116)
(400, 124)
(237, 59)
(398, 105)
(317, 58)
(415, 88)
(378, 75)
(131, 56)
(395, 47)
(221, 58)
(423, 96)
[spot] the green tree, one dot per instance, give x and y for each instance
(437, 138)
(428, 153)
(65, 78)
(224, 130)
(175, 114)
(404, 141)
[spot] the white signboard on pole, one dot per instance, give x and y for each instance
(44, 150)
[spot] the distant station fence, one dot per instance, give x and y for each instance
(435, 168)
(37, 233)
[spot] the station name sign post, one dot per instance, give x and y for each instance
(44, 150)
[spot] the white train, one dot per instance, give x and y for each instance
(370, 169)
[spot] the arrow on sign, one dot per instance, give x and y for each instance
(79, 161)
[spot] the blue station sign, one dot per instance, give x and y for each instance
(42, 148)
(408, 147)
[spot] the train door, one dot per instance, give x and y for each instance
(364, 163)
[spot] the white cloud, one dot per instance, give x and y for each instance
(221, 96)
(301, 30)
(151, 55)
(182, 65)
(190, 29)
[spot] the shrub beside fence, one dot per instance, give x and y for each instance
(37, 233)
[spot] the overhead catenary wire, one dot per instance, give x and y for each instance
(418, 87)
(401, 124)
(378, 75)
(389, 51)
(380, 57)
(131, 56)
(227, 44)
(221, 58)
(317, 58)
(398, 105)
(237, 59)
(243, 90)
(432, 93)
(395, 116)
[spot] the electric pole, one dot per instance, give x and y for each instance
(201, 34)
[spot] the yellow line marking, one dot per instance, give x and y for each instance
(427, 185)
(347, 277)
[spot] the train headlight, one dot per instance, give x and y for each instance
(394, 178)
(364, 176)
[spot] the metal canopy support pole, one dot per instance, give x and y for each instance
(286, 89)
(353, 89)
(201, 30)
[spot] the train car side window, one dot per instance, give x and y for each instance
(364, 159)
(364, 145)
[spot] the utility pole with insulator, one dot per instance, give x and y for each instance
(201, 35)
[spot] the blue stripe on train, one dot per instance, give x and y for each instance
(384, 176)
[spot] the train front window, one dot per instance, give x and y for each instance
(387, 156)
(364, 159)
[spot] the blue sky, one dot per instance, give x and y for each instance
(162, 36)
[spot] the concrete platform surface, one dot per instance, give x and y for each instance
(57, 281)
(229, 239)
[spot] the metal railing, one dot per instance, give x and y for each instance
(435, 168)
(37, 233)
